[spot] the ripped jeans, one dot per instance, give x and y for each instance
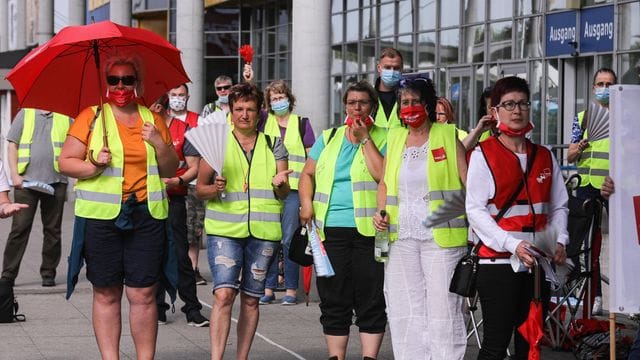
(240, 264)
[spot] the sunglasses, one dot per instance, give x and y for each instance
(224, 87)
(127, 80)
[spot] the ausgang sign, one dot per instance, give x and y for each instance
(561, 32)
(596, 29)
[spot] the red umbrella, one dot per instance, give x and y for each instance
(307, 274)
(64, 74)
(531, 328)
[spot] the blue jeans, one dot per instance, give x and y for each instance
(290, 222)
(229, 258)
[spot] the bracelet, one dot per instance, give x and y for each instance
(365, 141)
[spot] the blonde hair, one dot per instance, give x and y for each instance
(130, 60)
(279, 87)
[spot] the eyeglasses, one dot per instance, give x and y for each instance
(127, 80)
(511, 105)
(603, 84)
(223, 87)
(354, 103)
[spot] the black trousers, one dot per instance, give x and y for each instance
(356, 286)
(504, 298)
(186, 275)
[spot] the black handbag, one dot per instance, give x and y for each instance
(299, 249)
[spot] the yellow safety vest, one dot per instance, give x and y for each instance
(293, 143)
(443, 179)
(593, 164)
(255, 212)
(484, 136)
(59, 130)
(363, 186)
(462, 134)
(100, 197)
(384, 122)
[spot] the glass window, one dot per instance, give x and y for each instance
(336, 59)
(271, 67)
(473, 11)
(282, 13)
(368, 56)
(283, 38)
(270, 15)
(387, 19)
(500, 9)
(449, 42)
(500, 40)
(426, 49)
(426, 15)
(271, 40)
(527, 7)
(353, 26)
(221, 19)
(629, 68)
(594, 2)
(245, 19)
(449, 13)
(552, 102)
(536, 78)
(352, 4)
(336, 6)
(369, 28)
(387, 43)
(336, 29)
(405, 16)
(528, 38)
(474, 43)
(493, 74)
(217, 67)
(283, 67)
(336, 101)
(221, 44)
(405, 46)
(630, 22)
(475, 103)
(441, 80)
(351, 57)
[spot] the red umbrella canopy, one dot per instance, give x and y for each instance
(531, 329)
(62, 75)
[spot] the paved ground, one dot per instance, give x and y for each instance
(61, 329)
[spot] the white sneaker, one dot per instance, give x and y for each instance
(597, 306)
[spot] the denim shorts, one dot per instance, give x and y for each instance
(240, 264)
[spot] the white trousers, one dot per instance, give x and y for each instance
(425, 319)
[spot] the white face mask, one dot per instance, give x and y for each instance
(177, 103)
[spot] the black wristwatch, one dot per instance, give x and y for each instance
(180, 181)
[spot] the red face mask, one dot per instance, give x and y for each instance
(514, 133)
(368, 121)
(121, 98)
(414, 115)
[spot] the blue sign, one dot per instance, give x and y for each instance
(596, 29)
(561, 31)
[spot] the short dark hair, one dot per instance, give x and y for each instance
(486, 94)
(507, 85)
(392, 54)
(425, 90)
(183, 85)
(246, 92)
(605, 70)
(362, 86)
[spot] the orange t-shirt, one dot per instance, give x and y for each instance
(135, 153)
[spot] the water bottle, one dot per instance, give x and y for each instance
(381, 246)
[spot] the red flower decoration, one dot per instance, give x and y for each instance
(246, 51)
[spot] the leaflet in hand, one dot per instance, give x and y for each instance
(320, 257)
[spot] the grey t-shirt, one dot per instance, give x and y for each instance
(40, 167)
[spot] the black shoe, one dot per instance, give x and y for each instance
(162, 317)
(196, 319)
(48, 281)
(199, 279)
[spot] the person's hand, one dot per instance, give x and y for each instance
(17, 181)
(151, 135)
(380, 223)
(306, 214)
(608, 187)
(561, 255)
(247, 73)
(281, 178)
(156, 108)
(359, 130)
(104, 157)
(220, 183)
(524, 255)
(10, 209)
(170, 182)
(583, 144)
(485, 123)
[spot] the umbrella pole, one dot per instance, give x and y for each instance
(612, 335)
(105, 142)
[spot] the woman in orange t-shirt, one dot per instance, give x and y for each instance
(121, 239)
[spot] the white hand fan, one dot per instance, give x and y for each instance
(451, 209)
(597, 122)
(216, 117)
(210, 139)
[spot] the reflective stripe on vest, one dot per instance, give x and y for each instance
(59, 130)
(292, 142)
(100, 197)
(362, 183)
(253, 213)
(387, 123)
(442, 177)
(593, 165)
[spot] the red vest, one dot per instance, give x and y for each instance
(529, 212)
(177, 129)
(192, 119)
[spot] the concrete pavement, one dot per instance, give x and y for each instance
(61, 329)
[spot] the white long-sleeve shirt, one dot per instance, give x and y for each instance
(4, 181)
(481, 188)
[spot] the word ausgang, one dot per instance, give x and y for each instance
(562, 34)
(598, 30)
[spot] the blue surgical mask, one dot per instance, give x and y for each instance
(223, 99)
(602, 95)
(390, 77)
(280, 107)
